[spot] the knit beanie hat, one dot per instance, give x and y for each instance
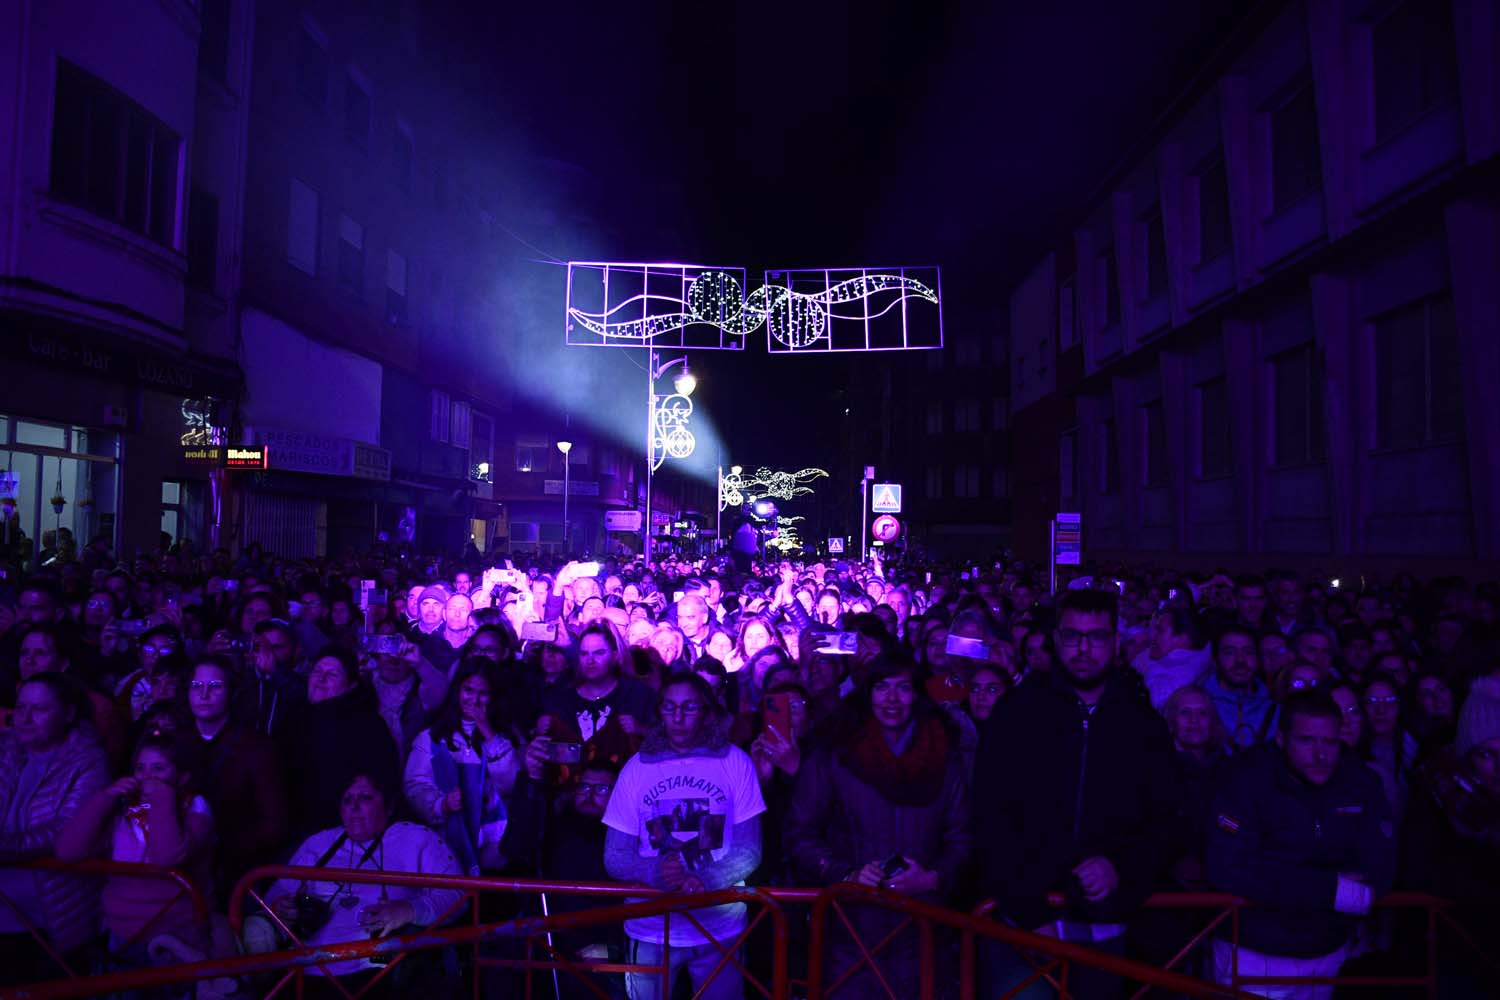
(433, 593)
(1480, 718)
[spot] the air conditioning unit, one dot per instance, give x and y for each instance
(114, 416)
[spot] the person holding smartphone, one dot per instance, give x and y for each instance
(885, 805)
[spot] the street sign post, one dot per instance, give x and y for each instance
(886, 528)
(1067, 543)
(835, 546)
(885, 498)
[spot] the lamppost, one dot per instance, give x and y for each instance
(734, 470)
(565, 447)
(666, 426)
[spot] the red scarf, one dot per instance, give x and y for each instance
(915, 778)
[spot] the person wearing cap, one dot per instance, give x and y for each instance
(1450, 841)
(430, 606)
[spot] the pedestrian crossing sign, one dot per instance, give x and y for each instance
(886, 499)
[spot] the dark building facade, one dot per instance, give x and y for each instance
(1276, 332)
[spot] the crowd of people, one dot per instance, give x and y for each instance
(959, 734)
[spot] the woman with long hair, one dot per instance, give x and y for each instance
(152, 815)
(755, 633)
(460, 770)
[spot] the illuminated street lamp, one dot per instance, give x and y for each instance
(667, 432)
(565, 447)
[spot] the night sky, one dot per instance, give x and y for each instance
(883, 134)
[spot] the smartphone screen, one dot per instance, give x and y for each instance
(971, 649)
(779, 714)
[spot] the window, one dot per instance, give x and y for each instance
(357, 114)
(935, 416)
(525, 458)
(302, 228)
(481, 446)
(438, 415)
(312, 67)
(401, 158)
(1067, 466)
(1297, 387)
(966, 415)
(1110, 281)
(351, 256)
(1418, 376)
(1214, 455)
(966, 482)
(1213, 209)
(461, 425)
(1109, 458)
(203, 238)
(1067, 312)
(1158, 463)
(213, 40)
(1001, 416)
(1296, 163)
(1000, 482)
(395, 288)
(112, 157)
(934, 482)
(1156, 253)
(1415, 63)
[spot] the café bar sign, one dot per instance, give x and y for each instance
(218, 456)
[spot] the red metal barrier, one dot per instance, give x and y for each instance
(1053, 958)
(299, 959)
(105, 867)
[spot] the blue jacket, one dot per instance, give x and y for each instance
(1282, 844)
(1248, 718)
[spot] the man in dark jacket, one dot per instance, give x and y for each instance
(1303, 830)
(1075, 795)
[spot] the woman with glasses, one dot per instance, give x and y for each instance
(242, 773)
(684, 816)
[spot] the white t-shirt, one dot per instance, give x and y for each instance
(691, 804)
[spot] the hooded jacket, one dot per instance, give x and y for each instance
(1056, 784)
(77, 770)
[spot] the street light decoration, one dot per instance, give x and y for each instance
(635, 305)
(738, 489)
(670, 434)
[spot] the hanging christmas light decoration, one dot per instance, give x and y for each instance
(793, 319)
(739, 488)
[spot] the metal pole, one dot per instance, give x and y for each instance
(719, 518)
(650, 447)
(567, 526)
(1052, 554)
(864, 519)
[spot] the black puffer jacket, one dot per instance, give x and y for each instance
(1055, 785)
(1282, 843)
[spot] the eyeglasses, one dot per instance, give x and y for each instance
(166, 650)
(1072, 638)
(1302, 683)
(687, 709)
(1388, 699)
(595, 788)
(205, 687)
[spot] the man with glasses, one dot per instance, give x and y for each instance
(1075, 799)
(685, 817)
